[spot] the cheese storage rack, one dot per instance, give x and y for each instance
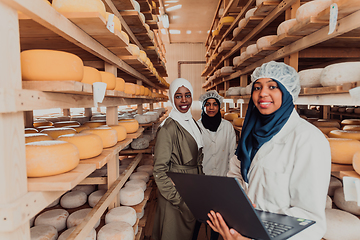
(22, 199)
(307, 45)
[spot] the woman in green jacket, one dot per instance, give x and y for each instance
(178, 148)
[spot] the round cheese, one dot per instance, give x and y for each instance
(49, 158)
(243, 56)
(238, 122)
(109, 79)
(141, 118)
(140, 175)
(107, 135)
(77, 217)
(65, 6)
(143, 55)
(310, 77)
(131, 125)
(43, 232)
(95, 123)
(284, 27)
(340, 73)
(42, 123)
(227, 69)
(50, 65)
(356, 162)
(234, 91)
(130, 195)
(252, 49)
(343, 150)
(73, 199)
(350, 122)
(236, 31)
(340, 202)
(137, 89)
(79, 128)
(327, 130)
(66, 234)
(146, 168)
(349, 109)
(242, 23)
(56, 132)
(334, 184)
(230, 116)
(341, 225)
(265, 41)
(236, 61)
(311, 9)
(125, 37)
(84, 188)
(326, 123)
(89, 145)
(123, 213)
(120, 85)
(31, 130)
(121, 132)
(66, 123)
(37, 137)
(345, 134)
(116, 21)
(116, 230)
(142, 90)
(250, 13)
(142, 17)
(352, 127)
(54, 203)
(80, 119)
(140, 214)
(136, 6)
(228, 44)
(328, 202)
(134, 49)
(91, 75)
(56, 218)
(95, 197)
(136, 183)
(130, 88)
(227, 19)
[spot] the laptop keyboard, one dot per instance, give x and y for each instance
(275, 229)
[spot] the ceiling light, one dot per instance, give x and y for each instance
(188, 32)
(173, 31)
(165, 20)
(173, 8)
(163, 31)
(173, 1)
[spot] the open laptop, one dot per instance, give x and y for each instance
(225, 195)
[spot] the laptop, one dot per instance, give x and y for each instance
(225, 195)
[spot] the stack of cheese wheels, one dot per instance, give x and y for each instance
(121, 132)
(89, 145)
(94, 197)
(66, 123)
(39, 123)
(56, 218)
(50, 65)
(310, 77)
(356, 162)
(131, 195)
(146, 168)
(30, 130)
(137, 89)
(120, 85)
(345, 134)
(123, 213)
(77, 217)
(79, 128)
(341, 225)
(250, 13)
(140, 175)
(66, 234)
(43, 232)
(73, 199)
(49, 158)
(37, 137)
(106, 133)
(95, 123)
(56, 132)
(340, 73)
(115, 20)
(91, 75)
(109, 79)
(311, 9)
(136, 183)
(346, 122)
(130, 88)
(340, 202)
(265, 41)
(238, 122)
(284, 27)
(66, 6)
(230, 116)
(84, 188)
(116, 230)
(343, 150)
(131, 125)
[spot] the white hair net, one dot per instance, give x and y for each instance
(281, 72)
(210, 94)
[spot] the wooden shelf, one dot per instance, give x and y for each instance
(135, 134)
(350, 173)
(265, 8)
(307, 27)
(140, 207)
(136, 151)
(251, 23)
(132, 18)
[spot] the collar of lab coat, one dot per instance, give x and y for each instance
(287, 128)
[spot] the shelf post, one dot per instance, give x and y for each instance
(28, 119)
(140, 105)
(66, 112)
(293, 59)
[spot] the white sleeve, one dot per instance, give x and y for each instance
(234, 171)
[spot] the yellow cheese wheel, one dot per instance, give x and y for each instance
(65, 6)
(227, 20)
(120, 84)
(107, 135)
(109, 79)
(137, 89)
(31, 130)
(352, 127)
(135, 50)
(37, 137)
(143, 56)
(215, 32)
(131, 125)
(327, 130)
(50, 65)
(350, 122)
(95, 123)
(117, 24)
(142, 90)
(79, 128)
(66, 123)
(89, 145)
(42, 123)
(125, 37)
(121, 132)
(345, 134)
(130, 88)
(230, 116)
(238, 122)
(49, 158)
(326, 123)
(343, 150)
(56, 132)
(91, 75)
(356, 162)
(43, 127)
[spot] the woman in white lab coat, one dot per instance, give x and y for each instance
(283, 162)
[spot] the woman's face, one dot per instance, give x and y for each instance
(211, 107)
(266, 96)
(183, 99)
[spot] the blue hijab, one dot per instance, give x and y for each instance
(259, 129)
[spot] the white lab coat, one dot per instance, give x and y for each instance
(219, 148)
(290, 175)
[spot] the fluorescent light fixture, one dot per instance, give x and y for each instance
(173, 31)
(166, 5)
(163, 31)
(188, 31)
(165, 20)
(175, 17)
(174, 8)
(172, 1)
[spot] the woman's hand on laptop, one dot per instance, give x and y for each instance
(218, 224)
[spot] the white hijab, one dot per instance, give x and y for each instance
(185, 119)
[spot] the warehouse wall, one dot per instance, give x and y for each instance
(187, 52)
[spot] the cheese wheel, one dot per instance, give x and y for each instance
(236, 31)
(79, 128)
(215, 32)
(345, 134)
(340, 202)
(95, 197)
(243, 56)
(50, 65)
(311, 9)
(142, 17)
(66, 234)
(125, 37)
(342, 109)
(31, 130)
(349, 109)
(66, 123)
(136, 183)
(37, 137)
(42, 123)
(327, 130)
(356, 162)
(242, 23)
(123, 213)
(141, 214)
(230, 116)
(265, 41)
(49, 158)
(121, 132)
(95, 123)
(43, 232)
(340, 73)
(107, 135)
(65, 6)
(250, 13)
(146, 168)
(343, 150)
(109, 79)
(228, 44)
(77, 217)
(56, 132)
(141, 118)
(227, 69)
(136, 6)
(131, 125)
(328, 202)
(227, 19)
(236, 61)
(142, 55)
(352, 127)
(54, 203)
(130, 195)
(84, 188)
(137, 89)
(326, 123)
(142, 90)
(238, 122)
(89, 145)
(116, 21)
(284, 27)
(116, 230)
(73, 199)
(350, 122)
(130, 88)
(310, 77)
(91, 75)
(120, 85)
(341, 225)
(134, 49)
(140, 175)
(252, 49)
(80, 119)
(56, 218)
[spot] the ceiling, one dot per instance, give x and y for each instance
(190, 20)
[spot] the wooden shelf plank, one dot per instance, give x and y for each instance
(335, 167)
(59, 86)
(124, 4)
(138, 235)
(329, 90)
(251, 23)
(134, 151)
(136, 134)
(152, 24)
(351, 173)
(265, 8)
(345, 7)
(132, 18)
(61, 182)
(284, 39)
(307, 27)
(224, 51)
